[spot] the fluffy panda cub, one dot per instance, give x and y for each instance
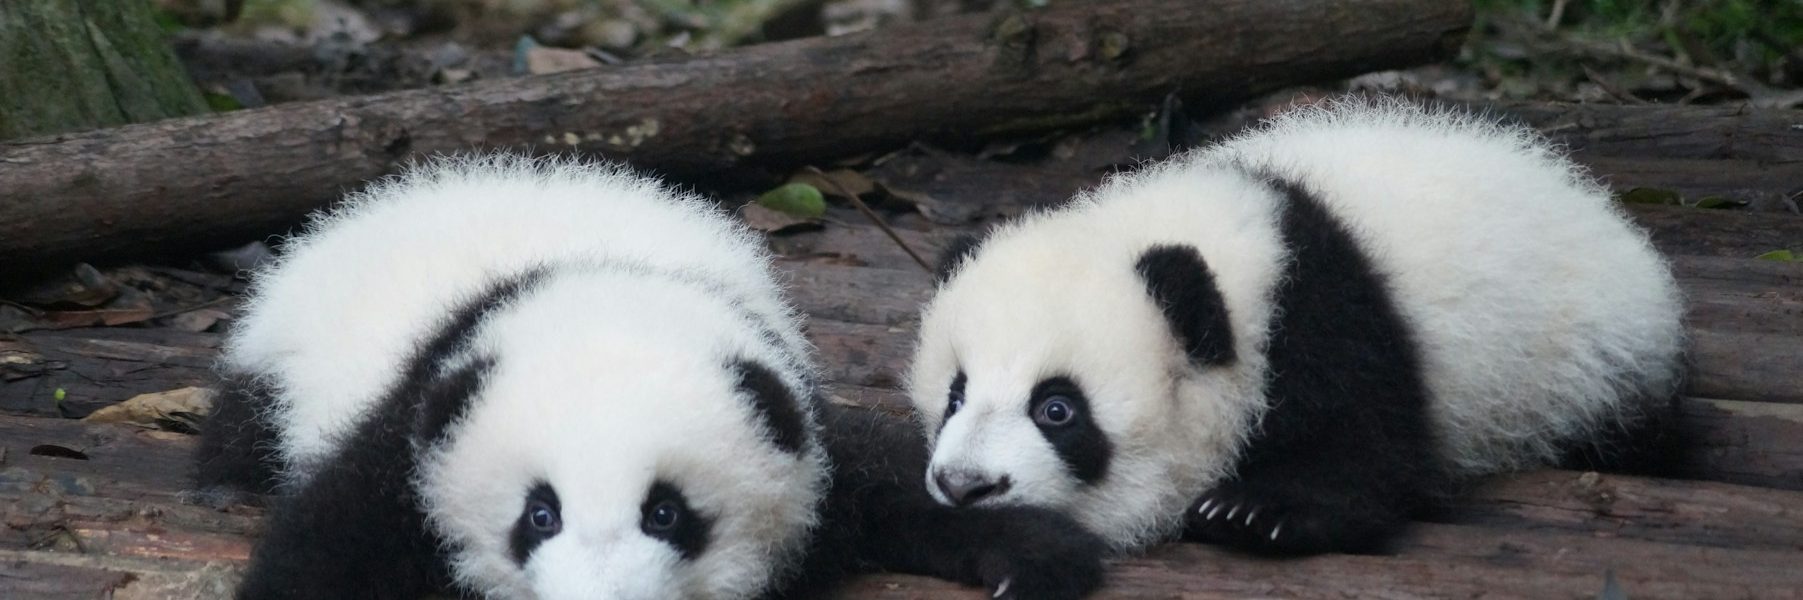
(1286, 342)
(524, 379)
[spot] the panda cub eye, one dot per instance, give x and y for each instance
(1055, 411)
(541, 519)
(666, 515)
(955, 399)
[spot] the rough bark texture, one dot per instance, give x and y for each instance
(68, 65)
(191, 183)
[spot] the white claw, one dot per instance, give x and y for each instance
(1003, 588)
(1249, 515)
(1205, 505)
(1234, 511)
(1212, 513)
(1275, 530)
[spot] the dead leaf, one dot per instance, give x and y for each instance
(174, 410)
(837, 182)
(541, 60)
(198, 320)
(775, 222)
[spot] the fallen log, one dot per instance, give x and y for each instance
(194, 183)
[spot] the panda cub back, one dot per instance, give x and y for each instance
(520, 378)
(1287, 341)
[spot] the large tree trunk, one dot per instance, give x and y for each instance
(67, 65)
(187, 184)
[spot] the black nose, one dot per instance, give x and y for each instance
(964, 488)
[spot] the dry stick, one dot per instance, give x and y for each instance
(870, 214)
(1558, 14)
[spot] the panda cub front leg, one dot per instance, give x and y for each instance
(1274, 515)
(1340, 485)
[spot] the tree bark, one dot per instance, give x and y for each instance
(192, 184)
(67, 65)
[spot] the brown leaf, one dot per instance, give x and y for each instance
(198, 320)
(775, 222)
(167, 410)
(837, 182)
(541, 60)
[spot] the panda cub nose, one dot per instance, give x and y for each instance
(964, 488)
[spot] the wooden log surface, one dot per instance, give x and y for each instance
(1554, 531)
(191, 183)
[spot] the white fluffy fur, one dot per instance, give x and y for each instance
(1541, 313)
(610, 372)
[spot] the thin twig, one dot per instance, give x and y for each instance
(870, 214)
(1610, 88)
(1552, 21)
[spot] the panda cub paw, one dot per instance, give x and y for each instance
(1044, 557)
(1239, 517)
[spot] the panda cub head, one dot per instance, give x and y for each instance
(675, 460)
(522, 378)
(1046, 373)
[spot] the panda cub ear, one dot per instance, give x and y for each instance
(775, 405)
(960, 248)
(1184, 290)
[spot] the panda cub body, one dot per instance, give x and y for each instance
(517, 378)
(1287, 342)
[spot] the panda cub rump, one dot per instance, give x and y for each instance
(1502, 253)
(1288, 341)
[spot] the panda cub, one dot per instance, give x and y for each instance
(517, 378)
(1286, 342)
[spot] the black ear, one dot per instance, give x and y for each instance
(775, 403)
(1184, 289)
(961, 247)
(445, 398)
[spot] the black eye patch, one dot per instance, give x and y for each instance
(954, 399)
(540, 519)
(1061, 411)
(666, 515)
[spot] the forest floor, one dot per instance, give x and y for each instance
(104, 369)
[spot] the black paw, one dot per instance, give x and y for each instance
(1045, 557)
(1237, 516)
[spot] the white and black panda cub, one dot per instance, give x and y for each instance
(516, 378)
(1286, 342)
